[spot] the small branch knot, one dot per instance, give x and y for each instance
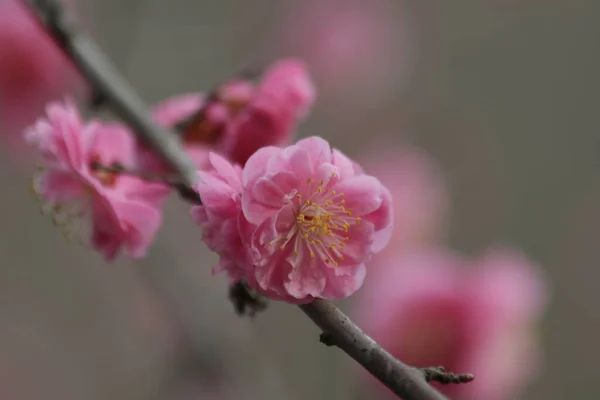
(246, 300)
(327, 339)
(439, 374)
(98, 98)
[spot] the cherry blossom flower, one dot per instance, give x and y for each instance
(433, 307)
(241, 118)
(358, 49)
(123, 209)
(310, 219)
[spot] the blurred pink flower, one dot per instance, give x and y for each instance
(282, 99)
(123, 209)
(419, 196)
(347, 44)
(33, 70)
(242, 118)
(434, 308)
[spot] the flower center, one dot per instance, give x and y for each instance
(106, 176)
(322, 223)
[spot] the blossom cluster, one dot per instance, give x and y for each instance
(295, 223)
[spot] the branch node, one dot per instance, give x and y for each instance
(440, 375)
(98, 98)
(327, 339)
(188, 194)
(246, 300)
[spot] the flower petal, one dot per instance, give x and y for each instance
(363, 194)
(256, 164)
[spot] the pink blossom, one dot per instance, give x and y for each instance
(434, 308)
(279, 102)
(318, 219)
(123, 209)
(350, 45)
(33, 70)
(299, 223)
(419, 195)
(243, 116)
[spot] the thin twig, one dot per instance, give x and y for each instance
(338, 330)
(408, 382)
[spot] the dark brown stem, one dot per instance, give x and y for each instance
(407, 382)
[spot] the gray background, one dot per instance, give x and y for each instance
(504, 93)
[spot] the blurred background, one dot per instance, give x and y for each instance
(500, 98)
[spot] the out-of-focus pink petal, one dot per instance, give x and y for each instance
(510, 283)
(140, 223)
(174, 110)
(418, 194)
(60, 187)
(33, 71)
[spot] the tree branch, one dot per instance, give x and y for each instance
(408, 382)
(338, 330)
(109, 85)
